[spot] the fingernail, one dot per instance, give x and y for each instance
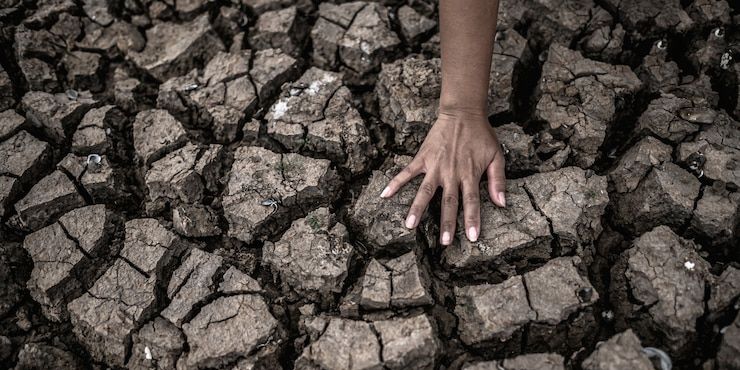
(472, 234)
(502, 199)
(410, 221)
(446, 238)
(385, 192)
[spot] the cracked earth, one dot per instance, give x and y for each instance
(192, 184)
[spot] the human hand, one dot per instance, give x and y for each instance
(456, 152)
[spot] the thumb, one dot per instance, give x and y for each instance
(497, 179)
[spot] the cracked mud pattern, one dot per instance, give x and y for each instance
(195, 185)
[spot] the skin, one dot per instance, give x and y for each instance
(461, 146)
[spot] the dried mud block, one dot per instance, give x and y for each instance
(271, 68)
(283, 29)
(96, 176)
(509, 50)
(399, 343)
(39, 75)
(313, 256)
(715, 151)
(582, 123)
(658, 73)
(195, 220)
(728, 355)
(622, 351)
(670, 117)
(519, 149)
(493, 313)
(637, 162)
(192, 282)
(185, 174)
(665, 196)
(227, 329)
(717, 215)
(563, 298)
(261, 6)
(150, 246)
(10, 123)
(156, 132)
(557, 21)
(380, 222)
(725, 289)
(64, 255)
(658, 287)
(510, 237)
(414, 26)
(408, 93)
(33, 48)
(554, 297)
(173, 49)
(235, 281)
(33, 355)
(356, 36)
(603, 38)
(706, 12)
(408, 343)
(98, 12)
(408, 89)
(84, 70)
(57, 115)
(572, 200)
(50, 198)
(400, 282)
(129, 93)
(264, 186)
(315, 115)
(158, 344)
(7, 99)
(652, 19)
(93, 134)
(532, 361)
(226, 87)
(120, 37)
(22, 160)
(344, 344)
(104, 318)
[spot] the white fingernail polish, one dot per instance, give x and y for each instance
(410, 222)
(385, 192)
(472, 234)
(446, 238)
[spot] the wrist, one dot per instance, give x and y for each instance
(456, 109)
(462, 112)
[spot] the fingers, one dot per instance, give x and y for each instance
(497, 179)
(471, 209)
(423, 196)
(448, 217)
(408, 173)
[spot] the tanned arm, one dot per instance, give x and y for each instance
(461, 145)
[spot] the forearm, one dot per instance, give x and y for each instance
(467, 31)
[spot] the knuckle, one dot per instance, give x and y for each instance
(471, 220)
(449, 200)
(471, 198)
(426, 189)
(416, 210)
(448, 226)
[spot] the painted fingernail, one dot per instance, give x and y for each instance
(385, 192)
(410, 221)
(502, 199)
(472, 234)
(446, 238)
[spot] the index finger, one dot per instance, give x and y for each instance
(403, 177)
